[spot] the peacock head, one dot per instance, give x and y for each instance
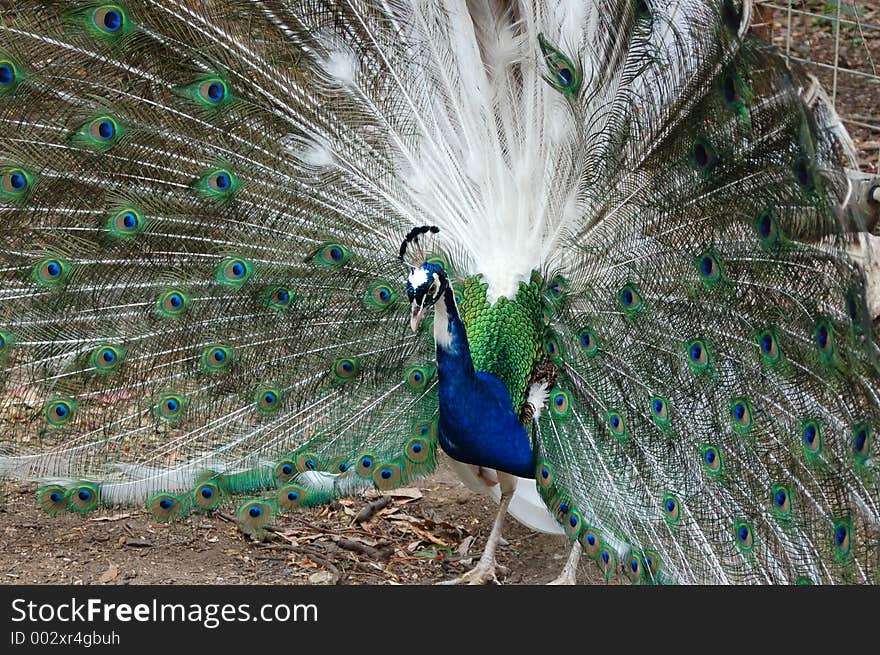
(424, 286)
(427, 281)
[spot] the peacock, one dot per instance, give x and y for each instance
(263, 254)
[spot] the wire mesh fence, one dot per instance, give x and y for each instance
(839, 42)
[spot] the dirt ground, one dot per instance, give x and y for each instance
(423, 536)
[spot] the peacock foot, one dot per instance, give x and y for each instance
(483, 573)
(568, 575)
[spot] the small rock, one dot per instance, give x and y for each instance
(321, 577)
(109, 575)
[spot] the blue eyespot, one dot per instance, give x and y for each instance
(172, 405)
(780, 498)
(710, 457)
(627, 297)
(852, 307)
(347, 366)
(237, 269)
(615, 422)
(822, 337)
(417, 448)
(344, 466)
(696, 352)
(106, 130)
(108, 355)
(56, 497)
(7, 75)
(222, 181)
(765, 226)
(766, 343)
(861, 438)
(810, 435)
(216, 92)
(335, 253)
(658, 406)
(591, 539)
(566, 77)
(670, 505)
(53, 269)
(292, 496)
(707, 266)
(255, 512)
(287, 469)
(840, 535)
(560, 401)
(112, 20)
(417, 376)
(207, 493)
(573, 521)
(219, 355)
(701, 154)
(17, 181)
(386, 474)
(166, 504)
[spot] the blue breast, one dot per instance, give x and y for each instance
(478, 424)
(479, 427)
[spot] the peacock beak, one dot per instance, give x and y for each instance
(416, 315)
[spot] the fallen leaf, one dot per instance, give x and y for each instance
(413, 493)
(321, 577)
(115, 517)
(109, 575)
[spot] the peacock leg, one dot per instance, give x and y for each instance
(568, 576)
(484, 571)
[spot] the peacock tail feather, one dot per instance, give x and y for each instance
(201, 300)
(719, 378)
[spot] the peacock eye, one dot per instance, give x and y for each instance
(216, 358)
(169, 406)
(562, 73)
(59, 412)
(212, 91)
(103, 129)
(109, 19)
(218, 184)
(7, 75)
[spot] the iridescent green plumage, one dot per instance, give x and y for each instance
(506, 337)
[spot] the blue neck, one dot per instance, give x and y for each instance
(478, 423)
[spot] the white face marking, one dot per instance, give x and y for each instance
(442, 336)
(418, 277)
